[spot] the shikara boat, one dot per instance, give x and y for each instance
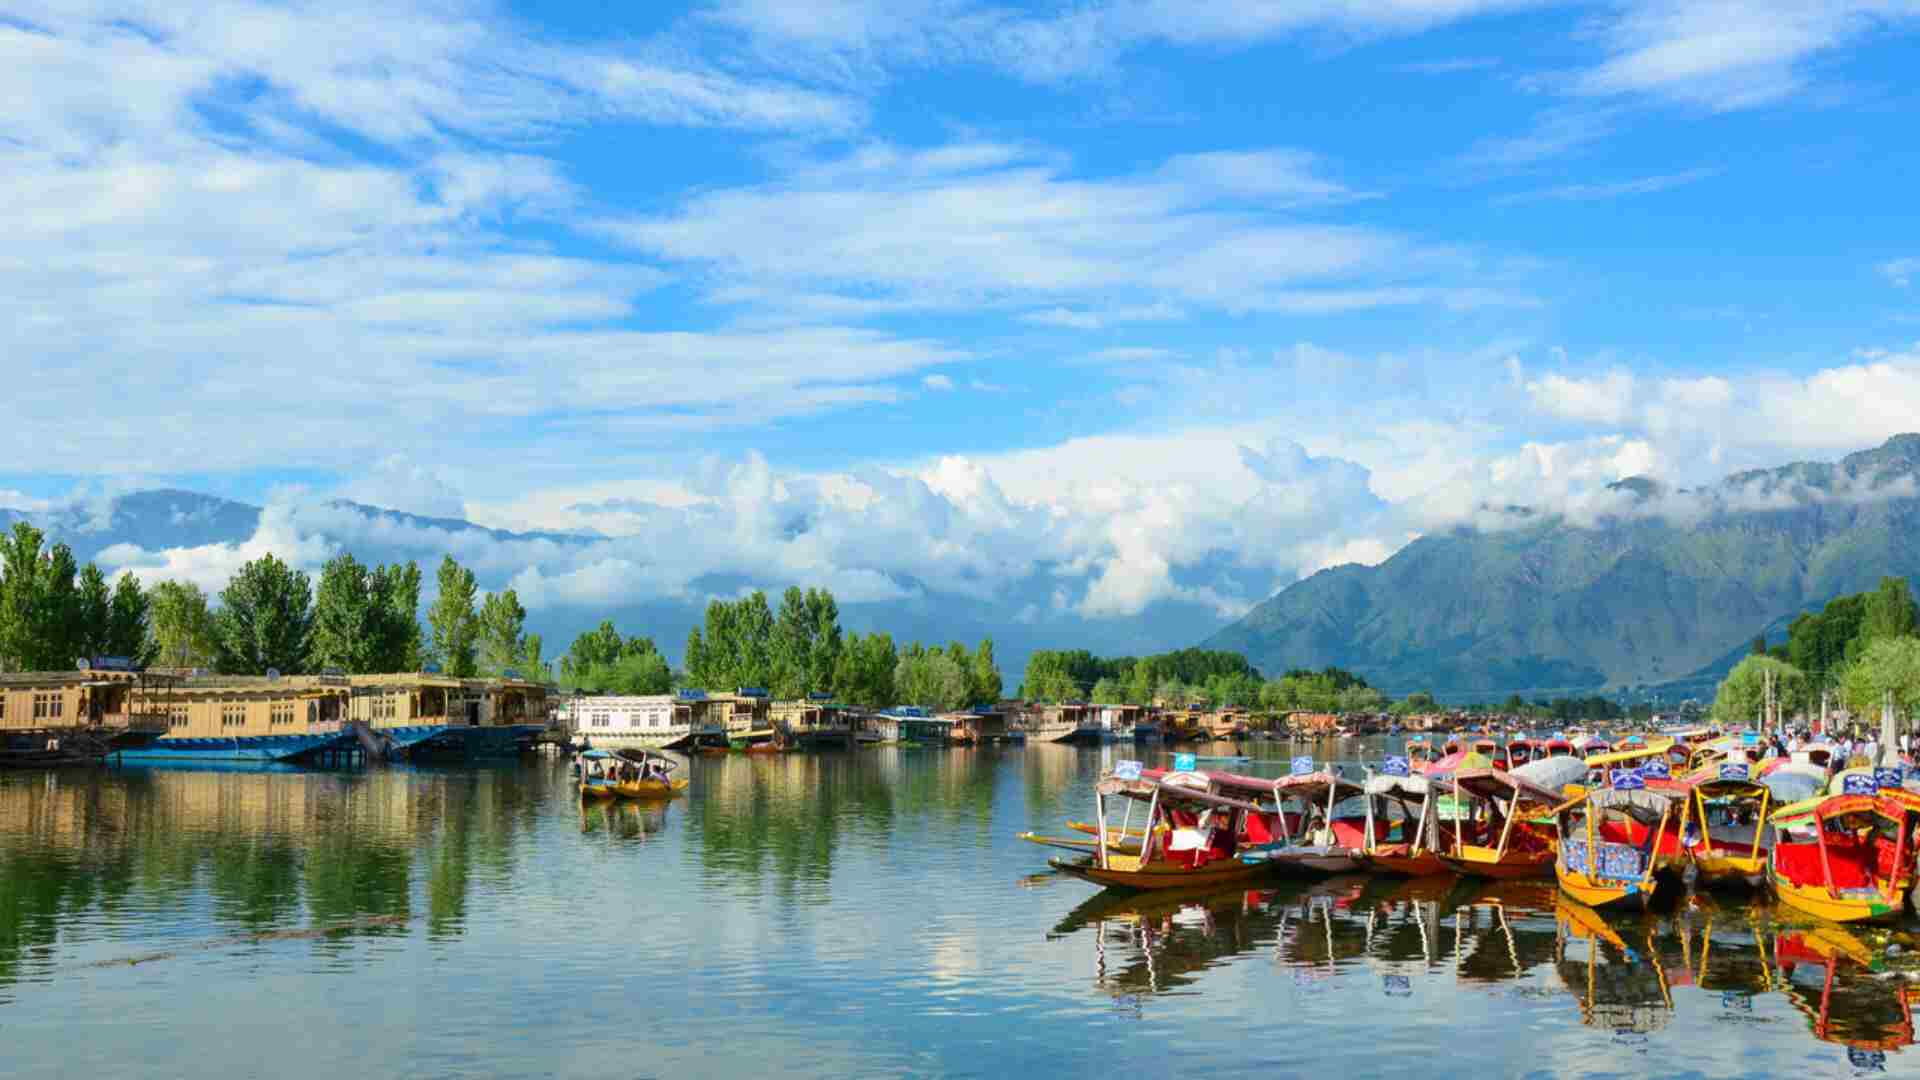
(1412, 852)
(1618, 844)
(1332, 834)
(1205, 833)
(1492, 831)
(1726, 834)
(628, 774)
(1846, 857)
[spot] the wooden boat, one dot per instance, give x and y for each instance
(628, 774)
(1521, 751)
(1846, 857)
(1726, 833)
(1333, 829)
(1493, 834)
(1617, 844)
(1420, 752)
(1205, 831)
(1492, 751)
(1411, 853)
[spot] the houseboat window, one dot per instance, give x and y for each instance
(178, 718)
(3, 707)
(233, 716)
(281, 715)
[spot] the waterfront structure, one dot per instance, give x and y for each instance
(650, 721)
(417, 713)
(1057, 723)
(747, 716)
(249, 718)
(913, 724)
(818, 722)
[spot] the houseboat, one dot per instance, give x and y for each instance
(1056, 723)
(748, 716)
(911, 725)
(648, 722)
(428, 714)
(103, 704)
(816, 723)
(242, 718)
(978, 726)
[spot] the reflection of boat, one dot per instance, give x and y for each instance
(628, 774)
(1194, 834)
(1617, 844)
(1861, 1012)
(1846, 857)
(1630, 996)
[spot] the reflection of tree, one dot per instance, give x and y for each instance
(783, 815)
(270, 850)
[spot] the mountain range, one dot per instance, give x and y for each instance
(1653, 588)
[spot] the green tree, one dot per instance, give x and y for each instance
(1418, 703)
(1818, 642)
(1737, 703)
(1107, 692)
(985, 672)
(21, 586)
(346, 617)
(503, 637)
(455, 624)
(93, 601)
(1889, 614)
(396, 593)
(864, 674)
(931, 678)
(735, 647)
(128, 614)
(599, 647)
(1889, 664)
(63, 634)
(265, 621)
(181, 625)
(1361, 699)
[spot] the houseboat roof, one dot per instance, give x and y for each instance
(82, 677)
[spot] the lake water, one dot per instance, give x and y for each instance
(852, 914)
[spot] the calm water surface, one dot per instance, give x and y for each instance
(865, 913)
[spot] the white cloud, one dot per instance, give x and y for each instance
(1728, 54)
(980, 230)
(1593, 192)
(937, 382)
(1901, 271)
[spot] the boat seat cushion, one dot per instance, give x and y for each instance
(1800, 863)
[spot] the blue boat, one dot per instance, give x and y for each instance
(258, 748)
(459, 740)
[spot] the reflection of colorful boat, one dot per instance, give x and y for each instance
(1872, 1016)
(1846, 857)
(1617, 845)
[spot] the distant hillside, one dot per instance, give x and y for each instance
(1666, 588)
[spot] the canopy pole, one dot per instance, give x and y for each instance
(1147, 834)
(1100, 817)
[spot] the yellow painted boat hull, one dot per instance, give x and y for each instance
(1599, 894)
(1126, 872)
(1817, 900)
(1486, 862)
(635, 789)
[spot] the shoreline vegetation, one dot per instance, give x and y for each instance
(1858, 652)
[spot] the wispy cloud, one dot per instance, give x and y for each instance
(1901, 271)
(1555, 132)
(1594, 192)
(1237, 232)
(1450, 66)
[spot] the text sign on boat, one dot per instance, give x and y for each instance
(1126, 770)
(1887, 778)
(1396, 766)
(1735, 770)
(1628, 780)
(1302, 765)
(1184, 762)
(1656, 769)
(1448, 808)
(1858, 784)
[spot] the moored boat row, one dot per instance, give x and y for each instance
(1618, 827)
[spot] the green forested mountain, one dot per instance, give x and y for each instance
(1667, 584)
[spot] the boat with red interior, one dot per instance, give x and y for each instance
(1333, 830)
(1619, 844)
(1496, 824)
(1409, 846)
(1193, 830)
(1848, 857)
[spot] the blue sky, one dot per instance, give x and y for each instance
(1077, 310)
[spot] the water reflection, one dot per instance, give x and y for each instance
(1626, 978)
(158, 853)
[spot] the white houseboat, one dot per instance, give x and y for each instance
(653, 722)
